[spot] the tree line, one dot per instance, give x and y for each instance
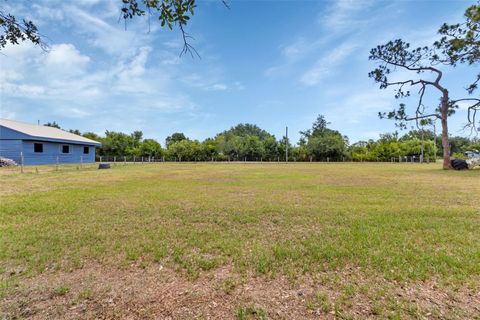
(248, 142)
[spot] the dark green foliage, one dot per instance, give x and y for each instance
(150, 148)
(251, 143)
(53, 124)
(170, 13)
(460, 43)
(323, 143)
(14, 31)
(76, 131)
(247, 142)
(176, 137)
(390, 146)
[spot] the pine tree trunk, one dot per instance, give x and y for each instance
(445, 142)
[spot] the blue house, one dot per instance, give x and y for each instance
(39, 144)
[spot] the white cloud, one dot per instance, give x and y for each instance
(136, 67)
(353, 108)
(345, 15)
(66, 59)
(327, 64)
(113, 40)
(297, 49)
(22, 89)
(218, 87)
(464, 105)
(293, 53)
(337, 19)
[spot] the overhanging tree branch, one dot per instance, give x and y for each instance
(14, 32)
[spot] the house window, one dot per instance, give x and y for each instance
(86, 150)
(38, 147)
(65, 149)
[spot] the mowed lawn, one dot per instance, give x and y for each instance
(245, 241)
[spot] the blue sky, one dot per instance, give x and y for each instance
(272, 63)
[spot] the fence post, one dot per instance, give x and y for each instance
(56, 165)
(124, 160)
(100, 158)
(114, 160)
(81, 162)
(21, 162)
(133, 159)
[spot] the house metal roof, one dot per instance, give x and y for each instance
(39, 132)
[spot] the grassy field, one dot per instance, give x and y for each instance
(241, 241)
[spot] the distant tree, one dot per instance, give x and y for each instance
(359, 151)
(52, 124)
(474, 145)
(150, 148)
(121, 144)
(414, 147)
(299, 153)
(247, 129)
(323, 143)
(246, 141)
(185, 150)
(417, 134)
(254, 148)
(459, 144)
(389, 137)
(176, 137)
(209, 149)
(76, 131)
(137, 137)
(330, 145)
(270, 146)
(459, 44)
(92, 136)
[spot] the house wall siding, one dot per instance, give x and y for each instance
(13, 143)
(53, 150)
(11, 149)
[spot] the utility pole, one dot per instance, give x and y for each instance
(423, 147)
(286, 144)
(435, 138)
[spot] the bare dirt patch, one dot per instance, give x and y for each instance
(99, 292)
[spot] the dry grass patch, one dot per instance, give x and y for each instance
(241, 241)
